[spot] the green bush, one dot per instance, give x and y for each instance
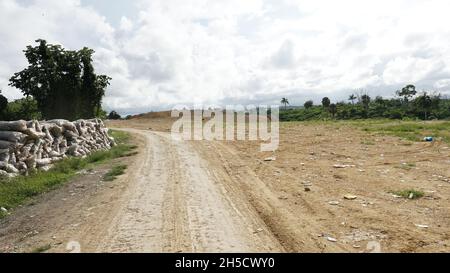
(24, 108)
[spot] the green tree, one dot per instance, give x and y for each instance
(424, 103)
(352, 98)
(333, 109)
(436, 105)
(114, 115)
(308, 104)
(24, 108)
(62, 82)
(379, 100)
(407, 92)
(365, 101)
(285, 102)
(326, 102)
(3, 105)
(101, 114)
(380, 107)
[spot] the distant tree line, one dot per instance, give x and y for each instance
(57, 83)
(407, 104)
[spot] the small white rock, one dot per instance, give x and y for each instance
(350, 197)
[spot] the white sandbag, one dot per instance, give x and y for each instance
(27, 145)
(43, 162)
(6, 144)
(33, 134)
(12, 136)
(19, 125)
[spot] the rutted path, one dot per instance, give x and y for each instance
(177, 202)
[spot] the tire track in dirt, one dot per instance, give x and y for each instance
(296, 232)
(177, 202)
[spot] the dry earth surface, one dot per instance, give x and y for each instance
(200, 196)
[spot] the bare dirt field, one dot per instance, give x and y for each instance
(200, 196)
(332, 161)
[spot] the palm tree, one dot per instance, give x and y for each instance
(285, 102)
(352, 98)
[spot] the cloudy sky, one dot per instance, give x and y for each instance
(166, 52)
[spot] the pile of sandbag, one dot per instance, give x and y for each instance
(27, 145)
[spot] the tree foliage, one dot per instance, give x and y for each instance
(333, 109)
(3, 105)
(285, 102)
(114, 115)
(407, 92)
(24, 108)
(326, 102)
(352, 98)
(424, 106)
(424, 103)
(62, 82)
(365, 100)
(308, 104)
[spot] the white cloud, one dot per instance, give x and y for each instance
(125, 24)
(199, 51)
(285, 56)
(444, 83)
(404, 69)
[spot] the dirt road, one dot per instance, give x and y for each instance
(177, 203)
(170, 200)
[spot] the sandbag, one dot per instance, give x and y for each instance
(26, 145)
(12, 136)
(6, 144)
(33, 134)
(19, 125)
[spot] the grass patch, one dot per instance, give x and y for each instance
(409, 194)
(41, 249)
(17, 190)
(409, 130)
(122, 149)
(120, 137)
(114, 172)
(406, 166)
(3, 214)
(367, 142)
